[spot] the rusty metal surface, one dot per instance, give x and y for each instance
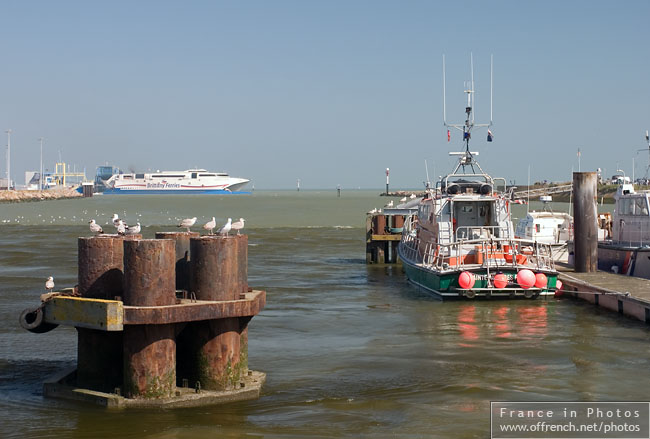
(99, 360)
(210, 352)
(183, 256)
(215, 267)
(149, 361)
(149, 275)
(188, 311)
(101, 265)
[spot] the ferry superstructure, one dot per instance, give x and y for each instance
(190, 181)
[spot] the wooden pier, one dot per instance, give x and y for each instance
(625, 295)
(383, 233)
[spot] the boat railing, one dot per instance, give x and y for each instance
(479, 232)
(492, 253)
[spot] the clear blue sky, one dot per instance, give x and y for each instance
(331, 92)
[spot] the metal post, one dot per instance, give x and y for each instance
(40, 179)
(387, 179)
(585, 222)
(8, 159)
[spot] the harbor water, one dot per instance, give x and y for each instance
(350, 350)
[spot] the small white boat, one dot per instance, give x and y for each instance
(548, 227)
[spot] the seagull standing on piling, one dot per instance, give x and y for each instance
(49, 284)
(94, 227)
(187, 223)
(238, 225)
(116, 219)
(121, 227)
(210, 225)
(223, 230)
(133, 230)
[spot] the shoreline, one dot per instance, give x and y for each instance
(23, 196)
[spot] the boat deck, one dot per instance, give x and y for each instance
(627, 295)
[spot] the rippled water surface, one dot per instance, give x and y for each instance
(350, 350)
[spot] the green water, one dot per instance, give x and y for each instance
(350, 350)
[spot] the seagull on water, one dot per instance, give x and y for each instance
(390, 204)
(121, 227)
(94, 227)
(49, 284)
(133, 230)
(238, 225)
(187, 223)
(210, 225)
(116, 219)
(403, 199)
(223, 230)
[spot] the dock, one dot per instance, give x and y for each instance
(625, 295)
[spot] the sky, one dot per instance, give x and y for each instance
(328, 92)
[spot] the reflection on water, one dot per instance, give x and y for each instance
(350, 350)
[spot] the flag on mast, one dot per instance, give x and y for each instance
(448, 136)
(490, 136)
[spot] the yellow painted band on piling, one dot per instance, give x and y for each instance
(104, 315)
(395, 237)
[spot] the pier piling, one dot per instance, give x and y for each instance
(585, 222)
(139, 339)
(182, 243)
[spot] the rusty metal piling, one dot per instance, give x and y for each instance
(139, 339)
(215, 351)
(149, 350)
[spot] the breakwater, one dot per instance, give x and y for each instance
(23, 196)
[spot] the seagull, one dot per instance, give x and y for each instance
(223, 230)
(238, 225)
(94, 227)
(187, 223)
(121, 227)
(133, 230)
(390, 204)
(49, 284)
(210, 225)
(403, 199)
(116, 219)
(412, 196)
(373, 211)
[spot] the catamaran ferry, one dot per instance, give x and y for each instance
(191, 181)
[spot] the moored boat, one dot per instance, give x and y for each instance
(461, 243)
(548, 226)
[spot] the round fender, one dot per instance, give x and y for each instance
(470, 294)
(33, 320)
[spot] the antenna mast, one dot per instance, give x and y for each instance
(469, 124)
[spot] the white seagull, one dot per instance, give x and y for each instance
(116, 219)
(238, 225)
(390, 204)
(94, 227)
(121, 227)
(133, 230)
(210, 225)
(403, 199)
(187, 223)
(223, 230)
(49, 284)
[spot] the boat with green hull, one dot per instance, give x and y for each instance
(461, 242)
